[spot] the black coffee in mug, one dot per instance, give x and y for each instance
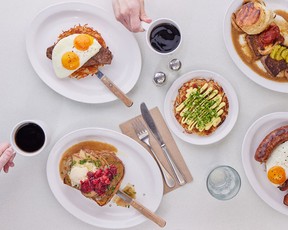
(165, 37)
(30, 137)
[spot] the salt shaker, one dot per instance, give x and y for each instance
(159, 78)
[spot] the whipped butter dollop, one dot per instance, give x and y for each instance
(79, 172)
(81, 166)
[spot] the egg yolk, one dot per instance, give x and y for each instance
(70, 60)
(83, 42)
(277, 175)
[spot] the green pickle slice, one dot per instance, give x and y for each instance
(274, 51)
(279, 53)
(278, 56)
(284, 54)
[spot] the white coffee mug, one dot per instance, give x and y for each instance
(29, 137)
(156, 25)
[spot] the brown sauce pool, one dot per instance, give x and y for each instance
(92, 145)
(247, 59)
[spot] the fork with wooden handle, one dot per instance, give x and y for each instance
(143, 135)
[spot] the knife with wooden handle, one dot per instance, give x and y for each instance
(142, 209)
(114, 89)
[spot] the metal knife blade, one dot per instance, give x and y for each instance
(142, 209)
(127, 199)
(151, 124)
(114, 89)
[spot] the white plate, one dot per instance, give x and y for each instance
(43, 32)
(269, 84)
(255, 172)
(141, 170)
(222, 130)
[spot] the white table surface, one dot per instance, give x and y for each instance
(26, 201)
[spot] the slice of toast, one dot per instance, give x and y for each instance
(97, 163)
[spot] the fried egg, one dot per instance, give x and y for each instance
(277, 165)
(72, 52)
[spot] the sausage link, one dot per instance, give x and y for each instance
(285, 200)
(270, 142)
(284, 186)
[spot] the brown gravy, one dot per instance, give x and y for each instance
(247, 59)
(92, 145)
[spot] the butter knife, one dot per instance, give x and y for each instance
(151, 124)
(114, 89)
(142, 209)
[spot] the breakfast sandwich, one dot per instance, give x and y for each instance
(97, 174)
(252, 17)
(79, 52)
(201, 106)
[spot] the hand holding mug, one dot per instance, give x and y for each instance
(7, 155)
(130, 13)
(29, 137)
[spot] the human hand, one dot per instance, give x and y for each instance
(7, 155)
(130, 13)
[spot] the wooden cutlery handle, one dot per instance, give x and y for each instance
(116, 91)
(149, 214)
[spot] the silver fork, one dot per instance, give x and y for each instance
(143, 135)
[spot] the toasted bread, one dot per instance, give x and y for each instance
(95, 161)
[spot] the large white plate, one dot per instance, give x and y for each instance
(222, 130)
(141, 170)
(255, 172)
(50, 22)
(269, 84)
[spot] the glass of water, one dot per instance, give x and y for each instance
(223, 182)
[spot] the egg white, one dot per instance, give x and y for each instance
(65, 45)
(279, 157)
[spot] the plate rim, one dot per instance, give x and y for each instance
(281, 87)
(229, 91)
(248, 168)
(72, 6)
(119, 137)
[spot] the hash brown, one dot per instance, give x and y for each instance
(201, 106)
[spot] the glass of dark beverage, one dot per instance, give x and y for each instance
(29, 137)
(163, 36)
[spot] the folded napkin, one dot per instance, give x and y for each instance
(127, 129)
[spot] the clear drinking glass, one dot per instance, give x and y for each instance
(223, 182)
